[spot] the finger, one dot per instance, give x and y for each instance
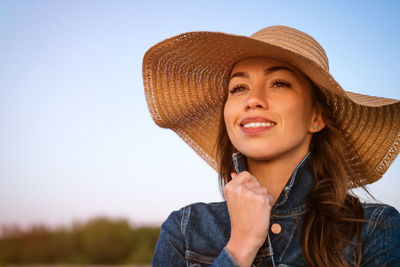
(245, 177)
(262, 196)
(252, 183)
(261, 190)
(240, 178)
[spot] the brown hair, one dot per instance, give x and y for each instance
(334, 217)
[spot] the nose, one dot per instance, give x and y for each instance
(257, 98)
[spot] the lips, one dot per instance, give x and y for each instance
(255, 120)
(256, 125)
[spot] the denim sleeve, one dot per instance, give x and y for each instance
(382, 245)
(225, 259)
(171, 248)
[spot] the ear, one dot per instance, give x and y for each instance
(317, 122)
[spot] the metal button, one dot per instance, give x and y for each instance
(276, 228)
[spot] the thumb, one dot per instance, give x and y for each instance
(233, 175)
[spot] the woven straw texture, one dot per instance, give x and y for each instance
(184, 78)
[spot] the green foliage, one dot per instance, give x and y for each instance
(99, 241)
(107, 242)
(145, 240)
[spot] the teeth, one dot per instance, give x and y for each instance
(258, 124)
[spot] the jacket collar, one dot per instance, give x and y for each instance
(293, 196)
(292, 199)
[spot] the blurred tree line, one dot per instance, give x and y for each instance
(99, 241)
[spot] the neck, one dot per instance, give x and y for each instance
(274, 173)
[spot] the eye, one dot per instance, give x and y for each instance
(281, 83)
(238, 88)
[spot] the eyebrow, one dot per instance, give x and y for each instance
(266, 71)
(276, 68)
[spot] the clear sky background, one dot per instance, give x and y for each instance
(76, 137)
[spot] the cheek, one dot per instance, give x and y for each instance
(305, 119)
(298, 116)
(228, 114)
(229, 117)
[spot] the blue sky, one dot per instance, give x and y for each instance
(76, 138)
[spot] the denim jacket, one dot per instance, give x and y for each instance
(196, 235)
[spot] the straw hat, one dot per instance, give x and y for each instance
(184, 78)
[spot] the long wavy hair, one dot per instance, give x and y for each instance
(334, 215)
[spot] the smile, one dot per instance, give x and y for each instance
(258, 124)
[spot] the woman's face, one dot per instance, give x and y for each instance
(268, 112)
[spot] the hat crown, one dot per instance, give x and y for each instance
(295, 41)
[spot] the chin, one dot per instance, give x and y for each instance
(258, 153)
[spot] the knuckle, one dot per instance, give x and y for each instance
(245, 173)
(264, 200)
(261, 199)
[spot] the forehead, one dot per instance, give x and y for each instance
(257, 63)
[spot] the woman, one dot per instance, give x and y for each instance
(299, 143)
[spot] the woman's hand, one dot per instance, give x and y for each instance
(249, 206)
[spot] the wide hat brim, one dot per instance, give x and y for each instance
(184, 78)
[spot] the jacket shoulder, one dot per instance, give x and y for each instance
(381, 235)
(201, 213)
(376, 214)
(195, 235)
